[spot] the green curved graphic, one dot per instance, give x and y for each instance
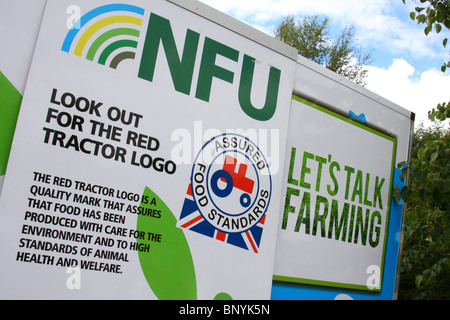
(108, 35)
(114, 46)
(10, 100)
(120, 57)
(223, 296)
(167, 266)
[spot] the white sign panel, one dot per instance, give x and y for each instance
(337, 199)
(147, 158)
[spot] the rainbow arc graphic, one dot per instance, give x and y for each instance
(101, 37)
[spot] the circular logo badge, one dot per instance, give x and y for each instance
(231, 183)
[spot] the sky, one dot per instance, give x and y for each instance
(406, 63)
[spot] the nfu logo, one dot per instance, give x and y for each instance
(111, 34)
(229, 192)
(107, 35)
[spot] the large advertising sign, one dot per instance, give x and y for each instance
(147, 158)
(337, 200)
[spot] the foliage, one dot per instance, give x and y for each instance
(435, 13)
(441, 112)
(311, 36)
(425, 265)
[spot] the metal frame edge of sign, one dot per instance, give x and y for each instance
(306, 63)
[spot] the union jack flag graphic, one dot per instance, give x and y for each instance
(192, 219)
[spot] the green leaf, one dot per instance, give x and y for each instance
(420, 153)
(396, 194)
(445, 42)
(168, 266)
(405, 193)
(10, 100)
(418, 280)
(421, 18)
(401, 164)
(414, 195)
(403, 175)
(412, 15)
(438, 27)
(434, 156)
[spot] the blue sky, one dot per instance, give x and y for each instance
(406, 66)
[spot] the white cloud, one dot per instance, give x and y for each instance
(419, 93)
(382, 24)
(264, 10)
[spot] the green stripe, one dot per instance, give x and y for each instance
(108, 35)
(114, 46)
(323, 283)
(10, 100)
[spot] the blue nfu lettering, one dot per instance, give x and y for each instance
(182, 67)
